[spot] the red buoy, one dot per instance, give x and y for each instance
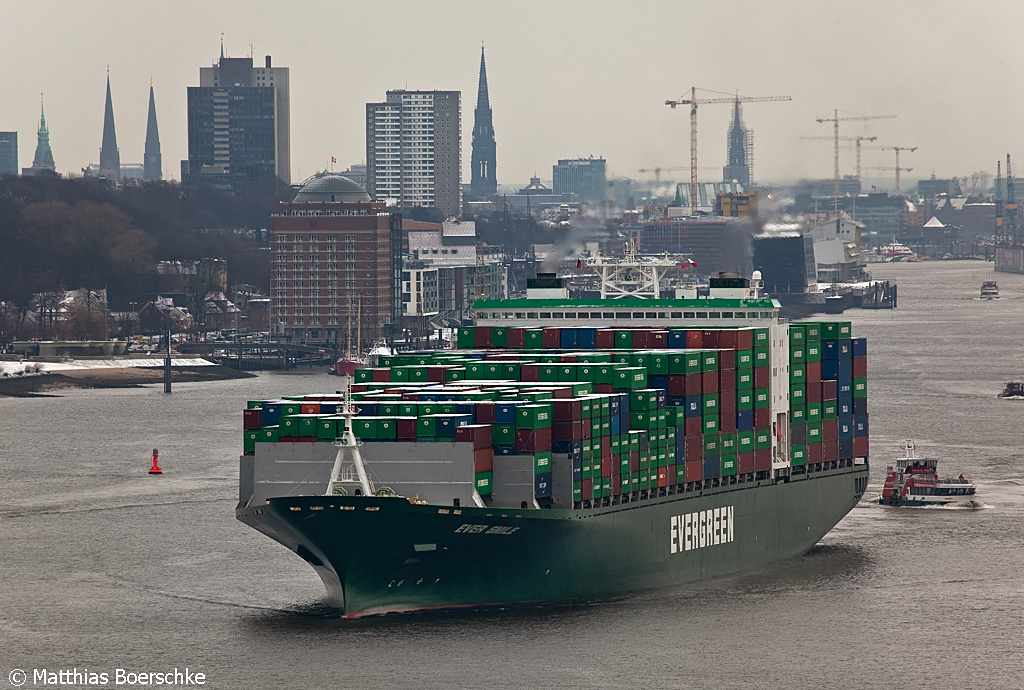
(155, 469)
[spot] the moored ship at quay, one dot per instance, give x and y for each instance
(568, 449)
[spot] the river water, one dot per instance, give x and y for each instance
(104, 567)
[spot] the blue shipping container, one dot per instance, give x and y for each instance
(845, 448)
(505, 413)
(712, 467)
(860, 426)
(829, 351)
(542, 485)
(568, 338)
(270, 413)
(745, 420)
(860, 347)
(586, 338)
(694, 406)
(677, 339)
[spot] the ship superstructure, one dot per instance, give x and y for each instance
(571, 448)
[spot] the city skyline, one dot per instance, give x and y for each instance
(598, 89)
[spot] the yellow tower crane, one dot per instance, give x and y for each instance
(693, 102)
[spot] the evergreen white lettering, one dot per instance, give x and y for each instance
(701, 529)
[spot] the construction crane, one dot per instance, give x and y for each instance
(1010, 207)
(856, 139)
(897, 149)
(835, 120)
(657, 172)
(886, 167)
(693, 102)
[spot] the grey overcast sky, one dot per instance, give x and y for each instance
(566, 79)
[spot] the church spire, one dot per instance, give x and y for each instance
(483, 183)
(151, 166)
(110, 158)
(44, 157)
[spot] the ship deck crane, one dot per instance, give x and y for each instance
(835, 120)
(857, 139)
(693, 102)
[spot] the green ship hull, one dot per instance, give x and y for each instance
(382, 555)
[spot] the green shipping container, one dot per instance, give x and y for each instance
(709, 403)
(249, 438)
(814, 433)
(727, 442)
(268, 434)
(860, 388)
(483, 483)
(327, 428)
(466, 337)
(541, 463)
(729, 466)
(829, 409)
(744, 441)
(797, 373)
(761, 356)
(288, 426)
(798, 456)
(533, 416)
(709, 361)
(797, 335)
(709, 425)
(797, 354)
(762, 398)
(684, 363)
(813, 353)
(813, 332)
(797, 395)
(797, 414)
(624, 339)
(745, 379)
(762, 439)
(814, 412)
(744, 359)
(744, 400)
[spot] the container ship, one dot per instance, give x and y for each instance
(568, 449)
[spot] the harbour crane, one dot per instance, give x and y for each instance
(693, 102)
(897, 149)
(857, 139)
(885, 167)
(835, 120)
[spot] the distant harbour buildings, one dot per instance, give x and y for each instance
(239, 124)
(414, 150)
(585, 177)
(42, 163)
(110, 157)
(8, 153)
(484, 183)
(151, 162)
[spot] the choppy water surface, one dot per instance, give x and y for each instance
(105, 567)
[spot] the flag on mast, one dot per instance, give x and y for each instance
(579, 263)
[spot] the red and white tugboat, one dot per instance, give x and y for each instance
(915, 482)
(1014, 389)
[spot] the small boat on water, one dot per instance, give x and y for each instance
(989, 289)
(1014, 389)
(915, 482)
(897, 251)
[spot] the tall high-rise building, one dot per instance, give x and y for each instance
(8, 153)
(584, 177)
(741, 150)
(239, 123)
(331, 274)
(42, 163)
(152, 169)
(414, 150)
(483, 183)
(110, 158)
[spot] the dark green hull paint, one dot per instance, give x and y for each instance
(368, 561)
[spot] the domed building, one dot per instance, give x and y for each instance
(333, 265)
(325, 187)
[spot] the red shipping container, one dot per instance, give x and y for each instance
(658, 340)
(286, 439)
(305, 439)
(516, 339)
(567, 410)
(677, 385)
(551, 338)
(588, 431)
(482, 336)
(727, 381)
(483, 459)
(634, 461)
(745, 462)
(662, 477)
(310, 408)
(812, 372)
(252, 419)
(829, 390)
(477, 434)
(641, 339)
(436, 374)
(745, 339)
(604, 387)
(694, 448)
(533, 440)
(694, 470)
(405, 428)
(727, 340)
(709, 382)
(485, 412)
(762, 418)
(860, 446)
(763, 460)
(606, 466)
(380, 376)
(829, 450)
(671, 475)
(694, 384)
(726, 358)
(814, 453)
(588, 489)
(360, 387)
(529, 372)
(562, 393)
(860, 367)
(727, 404)
(692, 426)
(812, 393)
(567, 431)
(762, 377)
(694, 339)
(711, 338)
(727, 422)
(606, 340)
(606, 446)
(829, 429)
